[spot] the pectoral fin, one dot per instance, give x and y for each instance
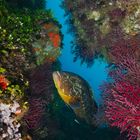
(74, 103)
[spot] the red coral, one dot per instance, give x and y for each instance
(35, 113)
(3, 82)
(122, 101)
(55, 38)
(122, 97)
(125, 55)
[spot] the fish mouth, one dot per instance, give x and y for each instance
(56, 76)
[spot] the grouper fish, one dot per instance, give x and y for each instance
(76, 93)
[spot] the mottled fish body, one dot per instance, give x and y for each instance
(76, 92)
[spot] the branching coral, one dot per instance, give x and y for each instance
(41, 83)
(20, 27)
(42, 88)
(55, 39)
(125, 55)
(35, 113)
(17, 65)
(122, 96)
(122, 102)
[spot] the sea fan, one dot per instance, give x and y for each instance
(35, 113)
(122, 101)
(122, 96)
(125, 56)
(41, 82)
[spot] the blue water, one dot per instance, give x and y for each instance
(94, 75)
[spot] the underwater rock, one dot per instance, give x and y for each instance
(41, 82)
(125, 56)
(96, 24)
(45, 52)
(41, 96)
(48, 47)
(17, 65)
(34, 115)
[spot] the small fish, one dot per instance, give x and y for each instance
(76, 93)
(76, 121)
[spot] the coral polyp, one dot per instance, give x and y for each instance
(99, 23)
(122, 95)
(29, 37)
